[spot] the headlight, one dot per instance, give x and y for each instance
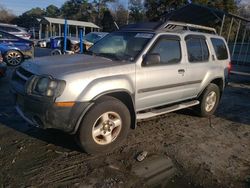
(47, 86)
(42, 85)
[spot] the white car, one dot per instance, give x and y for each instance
(45, 43)
(15, 30)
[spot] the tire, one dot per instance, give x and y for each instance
(209, 101)
(104, 127)
(55, 52)
(13, 58)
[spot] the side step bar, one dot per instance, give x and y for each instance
(157, 112)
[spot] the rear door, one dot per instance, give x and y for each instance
(199, 63)
(222, 54)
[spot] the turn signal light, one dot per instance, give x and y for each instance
(65, 104)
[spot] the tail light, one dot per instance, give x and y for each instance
(229, 68)
(27, 35)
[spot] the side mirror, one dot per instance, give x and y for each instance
(151, 59)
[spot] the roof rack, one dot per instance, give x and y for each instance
(177, 26)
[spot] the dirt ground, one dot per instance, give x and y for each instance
(208, 152)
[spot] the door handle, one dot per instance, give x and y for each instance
(181, 71)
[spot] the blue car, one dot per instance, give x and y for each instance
(14, 49)
(3, 66)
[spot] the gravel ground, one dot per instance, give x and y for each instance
(208, 152)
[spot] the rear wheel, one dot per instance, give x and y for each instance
(104, 127)
(13, 58)
(209, 100)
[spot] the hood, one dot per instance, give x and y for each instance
(66, 64)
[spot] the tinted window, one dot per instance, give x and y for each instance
(4, 35)
(197, 50)
(205, 52)
(168, 49)
(219, 48)
(9, 29)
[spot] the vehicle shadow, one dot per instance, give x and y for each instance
(10, 118)
(234, 104)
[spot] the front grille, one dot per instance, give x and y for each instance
(24, 72)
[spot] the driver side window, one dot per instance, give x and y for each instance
(169, 49)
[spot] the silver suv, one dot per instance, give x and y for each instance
(138, 72)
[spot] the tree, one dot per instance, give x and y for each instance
(76, 10)
(120, 15)
(6, 16)
(29, 18)
(156, 9)
(107, 22)
(100, 7)
(52, 11)
(136, 11)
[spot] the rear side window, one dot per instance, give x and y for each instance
(197, 50)
(219, 48)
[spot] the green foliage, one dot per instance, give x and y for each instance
(28, 19)
(35, 12)
(156, 8)
(52, 11)
(108, 22)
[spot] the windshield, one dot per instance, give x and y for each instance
(93, 37)
(121, 45)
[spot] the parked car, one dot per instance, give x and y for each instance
(3, 66)
(92, 38)
(15, 30)
(14, 49)
(46, 43)
(136, 73)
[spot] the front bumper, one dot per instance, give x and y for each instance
(45, 114)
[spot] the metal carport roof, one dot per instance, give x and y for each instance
(70, 22)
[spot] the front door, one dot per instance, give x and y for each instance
(160, 84)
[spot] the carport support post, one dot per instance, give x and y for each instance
(245, 59)
(81, 41)
(59, 27)
(65, 35)
(76, 31)
(236, 38)
(243, 39)
(230, 28)
(222, 24)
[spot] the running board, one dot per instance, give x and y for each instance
(157, 112)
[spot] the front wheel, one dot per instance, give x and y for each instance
(104, 127)
(13, 58)
(209, 101)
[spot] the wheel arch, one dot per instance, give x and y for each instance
(124, 96)
(219, 81)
